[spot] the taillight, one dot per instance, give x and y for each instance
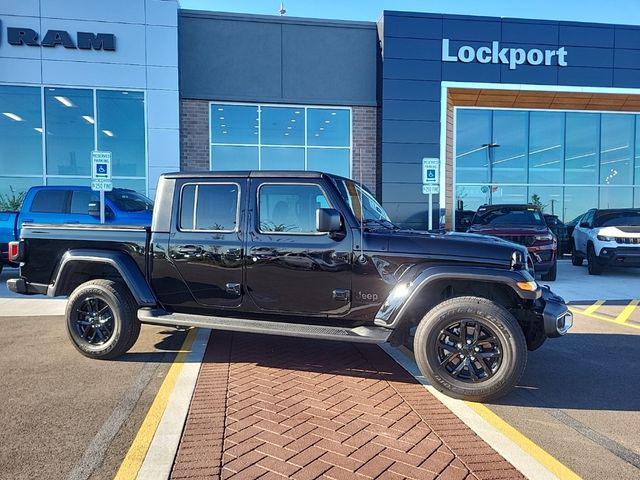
(14, 252)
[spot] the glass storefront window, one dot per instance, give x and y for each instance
(282, 126)
(121, 130)
(234, 124)
(570, 161)
(616, 148)
(330, 160)
(14, 186)
(473, 133)
(20, 131)
(581, 153)
(328, 127)
(225, 157)
(616, 197)
(509, 158)
(546, 147)
(271, 137)
(69, 120)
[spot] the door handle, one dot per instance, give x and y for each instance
(188, 249)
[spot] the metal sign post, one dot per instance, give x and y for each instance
(430, 182)
(101, 177)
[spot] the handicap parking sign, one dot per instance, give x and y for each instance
(431, 173)
(101, 165)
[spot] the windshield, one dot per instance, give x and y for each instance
(130, 201)
(363, 205)
(611, 218)
(508, 216)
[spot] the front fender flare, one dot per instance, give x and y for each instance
(391, 312)
(120, 261)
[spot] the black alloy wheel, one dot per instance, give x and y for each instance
(469, 351)
(593, 265)
(93, 321)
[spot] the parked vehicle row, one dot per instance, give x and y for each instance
(607, 237)
(71, 205)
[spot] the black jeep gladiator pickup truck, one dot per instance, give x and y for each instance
(303, 254)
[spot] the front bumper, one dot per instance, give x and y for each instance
(556, 316)
(620, 256)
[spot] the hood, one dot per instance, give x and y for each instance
(509, 229)
(452, 245)
(621, 231)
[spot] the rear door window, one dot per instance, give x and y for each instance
(80, 201)
(209, 207)
(50, 201)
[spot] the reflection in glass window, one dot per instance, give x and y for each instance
(14, 186)
(69, 120)
(577, 200)
(234, 124)
(546, 147)
(234, 158)
(282, 158)
(616, 197)
(510, 156)
(281, 126)
(473, 133)
(508, 194)
(290, 208)
(328, 127)
(581, 153)
(121, 130)
(472, 196)
(616, 149)
(209, 207)
(330, 160)
(551, 198)
(20, 131)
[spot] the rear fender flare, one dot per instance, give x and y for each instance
(392, 312)
(120, 261)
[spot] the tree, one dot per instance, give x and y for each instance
(535, 199)
(12, 201)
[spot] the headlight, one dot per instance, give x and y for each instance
(602, 238)
(547, 236)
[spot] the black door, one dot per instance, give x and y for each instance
(206, 245)
(290, 266)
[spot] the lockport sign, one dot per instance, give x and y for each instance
(504, 55)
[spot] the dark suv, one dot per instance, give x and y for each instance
(523, 224)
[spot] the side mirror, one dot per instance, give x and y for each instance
(585, 225)
(328, 220)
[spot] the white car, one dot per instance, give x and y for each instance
(607, 237)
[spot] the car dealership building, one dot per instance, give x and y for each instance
(473, 109)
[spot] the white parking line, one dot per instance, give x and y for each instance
(531, 460)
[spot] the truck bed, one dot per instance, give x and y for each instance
(48, 243)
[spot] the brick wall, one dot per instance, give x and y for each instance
(366, 149)
(194, 141)
(194, 135)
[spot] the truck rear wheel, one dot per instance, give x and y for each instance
(101, 319)
(470, 348)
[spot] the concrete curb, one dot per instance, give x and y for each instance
(163, 448)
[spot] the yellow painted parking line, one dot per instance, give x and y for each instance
(593, 307)
(547, 460)
(603, 318)
(138, 450)
(628, 310)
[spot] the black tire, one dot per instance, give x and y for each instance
(593, 264)
(504, 358)
(552, 274)
(102, 320)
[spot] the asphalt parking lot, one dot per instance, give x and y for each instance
(65, 416)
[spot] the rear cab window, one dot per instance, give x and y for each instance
(50, 201)
(210, 207)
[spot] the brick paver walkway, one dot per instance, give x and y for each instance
(275, 407)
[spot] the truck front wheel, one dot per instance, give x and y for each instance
(470, 348)
(101, 319)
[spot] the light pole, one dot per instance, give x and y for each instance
(490, 147)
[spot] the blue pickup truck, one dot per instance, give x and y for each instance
(69, 205)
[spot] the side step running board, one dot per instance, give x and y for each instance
(358, 334)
